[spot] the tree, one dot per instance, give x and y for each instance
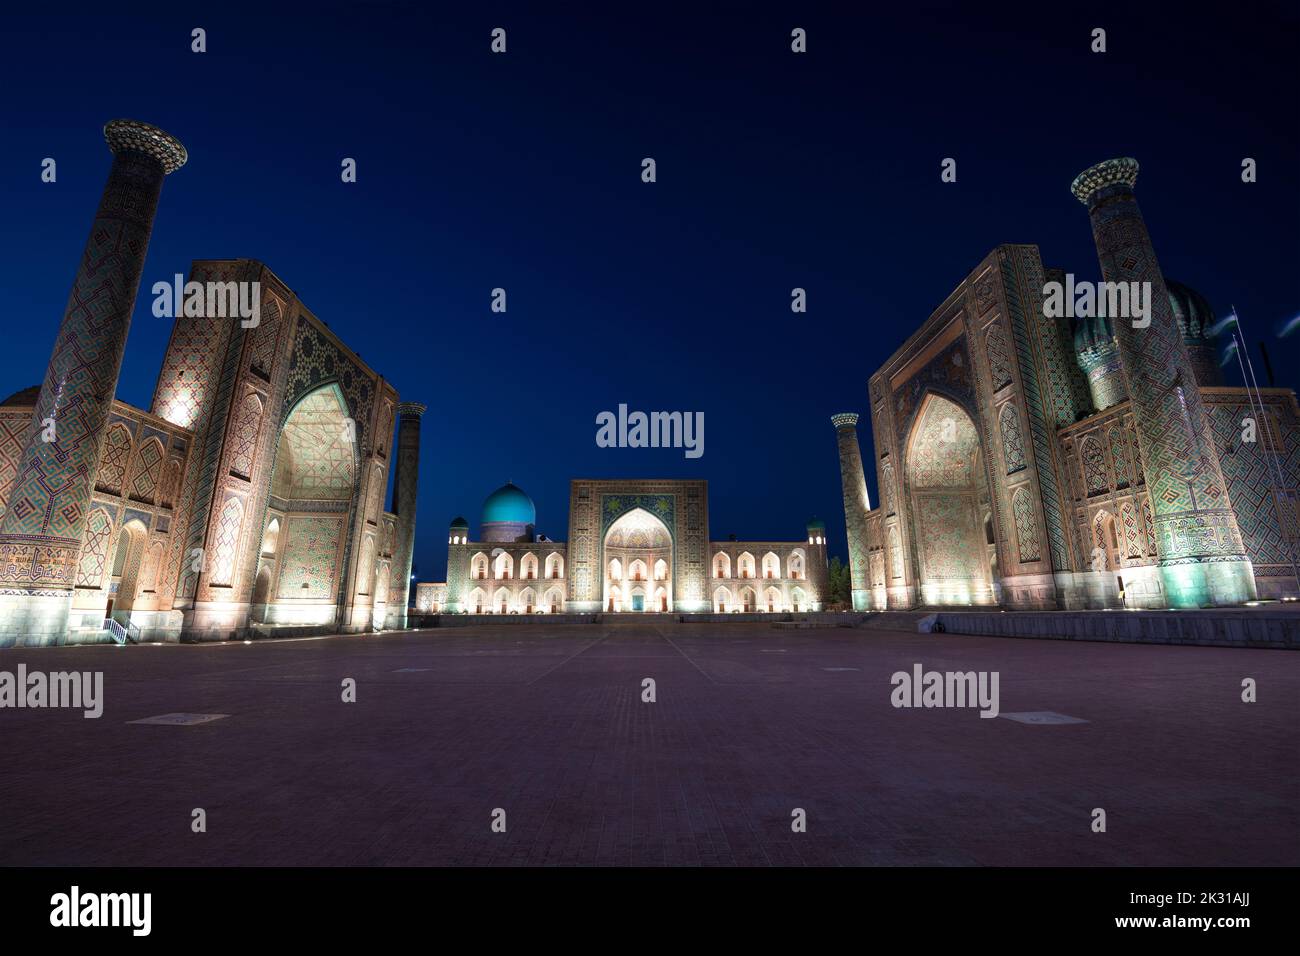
(839, 584)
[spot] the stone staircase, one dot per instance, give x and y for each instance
(896, 620)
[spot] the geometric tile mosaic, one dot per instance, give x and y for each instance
(310, 556)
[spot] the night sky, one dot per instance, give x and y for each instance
(522, 171)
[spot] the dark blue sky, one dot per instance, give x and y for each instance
(523, 171)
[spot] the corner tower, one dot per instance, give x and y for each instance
(405, 486)
(818, 570)
(1202, 557)
(45, 521)
(856, 505)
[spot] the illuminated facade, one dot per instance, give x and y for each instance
(1039, 462)
(249, 498)
(634, 546)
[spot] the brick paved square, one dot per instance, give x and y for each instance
(549, 725)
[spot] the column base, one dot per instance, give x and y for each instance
(34, 618)
(1212, 583)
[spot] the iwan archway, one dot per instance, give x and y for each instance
(638, 564)
(948, 494)
(309, 514)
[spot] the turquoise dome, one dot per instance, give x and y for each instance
(459, 524)
(816, 523)
(509, 504)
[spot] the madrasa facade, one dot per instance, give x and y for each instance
(635, 546)
(1029, 460)
(248, 498)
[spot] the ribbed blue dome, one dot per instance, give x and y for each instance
(509, 503)
(1192, 313)
(1093, 333)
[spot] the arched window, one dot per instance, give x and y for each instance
(272, 537)
(479, 566)
(1105, 553)
(505, 567)
(773, 600)
(721, 600)
(796, 565)
(722, 565)
(771, 566)
(554, 566)
(528, 567)
(745, 565)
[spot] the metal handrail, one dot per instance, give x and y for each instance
(122, 633)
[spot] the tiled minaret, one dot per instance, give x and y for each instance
(405, 486)
(44, 523)
(1202, 559)
(856, 505)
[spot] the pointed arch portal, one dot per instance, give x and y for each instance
(946, 482)
(314, 485)
(637, 544)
